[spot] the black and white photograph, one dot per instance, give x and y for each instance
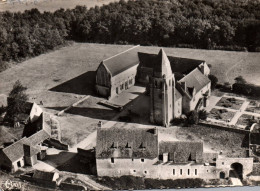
(129, 94)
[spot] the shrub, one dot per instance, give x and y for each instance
(193, 117)
(203, 114)
(214, 81)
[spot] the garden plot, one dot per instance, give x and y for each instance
(221, 114)
(246, 120)
(253, 107)
(230, 102)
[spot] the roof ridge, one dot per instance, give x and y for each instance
(189, 73)
(24, 138)
(122, 52)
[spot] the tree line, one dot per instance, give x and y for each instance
(207, 24)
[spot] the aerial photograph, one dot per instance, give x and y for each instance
(129, 94)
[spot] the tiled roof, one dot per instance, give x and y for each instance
(126, 143)
(182, 151)
(15, 150)
(122, 61)
(38, 137)
(179, 66)
(196, 80)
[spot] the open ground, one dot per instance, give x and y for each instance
(65, 76)
(50, 5)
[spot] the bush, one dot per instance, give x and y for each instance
(246, 89)
(214, 81)
(203, 114)
(193, 117)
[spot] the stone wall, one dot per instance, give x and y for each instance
(225, 164)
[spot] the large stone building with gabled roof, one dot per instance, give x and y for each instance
(177, 85)
(140, 152)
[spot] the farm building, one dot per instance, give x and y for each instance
(138, 152)
(29, 149)
(177, 85)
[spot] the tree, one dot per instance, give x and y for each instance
(240, 80)
(193, 117)
(214, 81)
(16, 101)
(203, 114)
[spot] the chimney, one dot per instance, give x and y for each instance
(184, 86)
(100, 124)
(155, 131)
(165, 157)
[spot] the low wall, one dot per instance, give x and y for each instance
(68, 186)
(57, 144)
(222, 127)
(44, 183)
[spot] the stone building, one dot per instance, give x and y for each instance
(177, 85)
(138, 152)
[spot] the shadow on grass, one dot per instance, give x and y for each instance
(83, 85)
(75, 164)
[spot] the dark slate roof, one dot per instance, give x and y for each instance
(126, 143)
(179, 66)
(182, 151)
(195, 79)
(122, 61)
(15, 150)
(48, 176)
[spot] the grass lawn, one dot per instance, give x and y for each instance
(221, 114)
(231, 103)
(50, 5)
(232, 144)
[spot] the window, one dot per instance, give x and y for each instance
(196, 172)
(117, 90)
(173, 171)
(130, 81)
(145, 172)
(180, 171)
(142, 160)
(134, 170)
(132, 159)
(223, 163)
(188, 171)
(169, 82)
(112, 160)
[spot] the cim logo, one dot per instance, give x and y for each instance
(9, 185)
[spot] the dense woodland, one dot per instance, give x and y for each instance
(209, 24)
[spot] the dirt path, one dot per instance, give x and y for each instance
(231, 68)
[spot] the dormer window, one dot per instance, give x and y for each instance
(114, 145)
(128, 146)
(142, 146)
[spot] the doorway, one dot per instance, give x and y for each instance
(19, 163)
(236, 170)
(222, 175)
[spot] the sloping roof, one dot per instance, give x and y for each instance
(196, 80)
(179, 66)
(122, 61)
(15, 150)
(38, 137)
(48, 176)
(32, 127)
(177, 94)
(162, 65)
(182, 151)
(126, 143)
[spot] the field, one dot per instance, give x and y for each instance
(64, 76)
(50, 5)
